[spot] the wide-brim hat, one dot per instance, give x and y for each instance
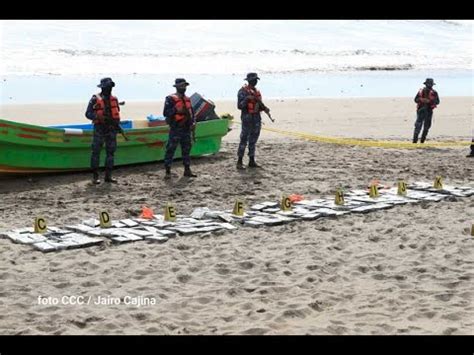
(429, 81)
(252, 76)
(180, 82)
(106, 82)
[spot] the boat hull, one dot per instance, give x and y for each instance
(28, 148)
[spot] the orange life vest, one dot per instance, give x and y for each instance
(251, 104)
(179, 104)
(431, 96)
(99, 107)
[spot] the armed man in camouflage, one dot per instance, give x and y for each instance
(249, 101)
(180, 117)
(104, 111)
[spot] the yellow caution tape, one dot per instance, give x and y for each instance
(368, 143)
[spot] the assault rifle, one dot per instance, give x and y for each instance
(260, 103)
(189, 118)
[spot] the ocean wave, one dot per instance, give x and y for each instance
(280, 52)
(208, 47)
(341, 69)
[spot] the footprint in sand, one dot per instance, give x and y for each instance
(402, 331)
(183, 247)
(451, 285)
(228, 319)
(203, 300)
(295, 313)
(46, 328)
(62, 285)
(94, 319)
(445, 297)
(140, 316)
(316, 306)
(144, 272)
(222, 270)
(247, 306)
(246, 265)
(87, 264)
(111, 326)
(268, 283)
(449, 331)
(183, 278)
(256, 331)
(5, 276)
(337, 330)
(78, 323)
(90, 284)
(153, 330)
(420, 269)
(456, 316)
(232, 292)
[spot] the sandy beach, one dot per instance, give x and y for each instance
(407, 270)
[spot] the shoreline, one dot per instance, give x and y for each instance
(140, 87)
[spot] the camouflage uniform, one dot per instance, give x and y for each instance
(103, 133)
(180, 134)
(251, 126)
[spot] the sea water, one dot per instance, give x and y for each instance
(64, 60)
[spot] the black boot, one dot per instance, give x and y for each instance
(252, 163)
(187, 172)
(95, 178)
(423, 138)
(415, 138)
(240, 164)
(168, 172)
(109, 178)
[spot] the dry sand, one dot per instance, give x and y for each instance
(407, 270)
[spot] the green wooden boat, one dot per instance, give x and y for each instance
(26, 148)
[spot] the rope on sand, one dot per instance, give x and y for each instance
(369, 143)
